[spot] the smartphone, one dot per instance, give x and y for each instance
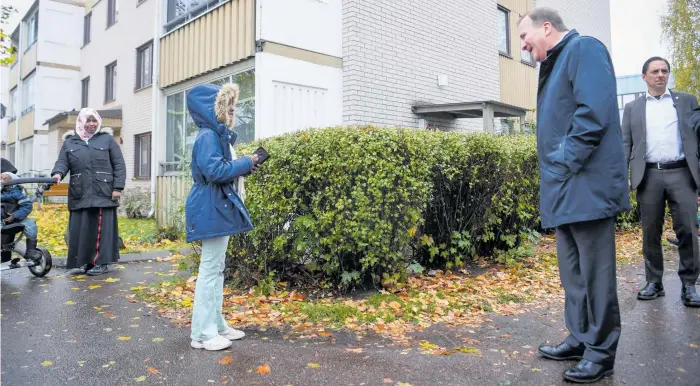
(263, 155)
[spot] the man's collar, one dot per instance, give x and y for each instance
(666, 93)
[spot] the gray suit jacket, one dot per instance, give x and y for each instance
(634, 132)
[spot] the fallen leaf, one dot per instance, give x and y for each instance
(81, 363)
(70, 302)
(355, 350)
(313, 365)
(403, 384)
(15, 293)
(95, 286)
(156, 340)
(388, 380)
(325, 334)
(153, 370)
(264, 369)
(682, 370)
(693, 345)
(47, 363)
(536, 370)
(124, 338)
(75, 288)
(225, 360)
(112, 280)
(140, 379)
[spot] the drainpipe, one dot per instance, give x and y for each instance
(18, 113)
(155, 100)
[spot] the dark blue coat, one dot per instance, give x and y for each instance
(213, 208)
(583, 173)
(21, 205)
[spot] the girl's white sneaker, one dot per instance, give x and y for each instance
(232, 334)
(215, 344)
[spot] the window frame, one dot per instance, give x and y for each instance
(112, 12)
(190, 13)
(530, 62)
(24, 110)
(84, 92)
(139, 66)
(138, 138)
(34, 17)
(87, 29)
(110, 76)
(506, 12)
(14, 104)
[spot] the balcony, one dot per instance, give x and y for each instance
(12, 80)
(28, 61)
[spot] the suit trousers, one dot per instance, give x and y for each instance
(675, 186)
(587, 268)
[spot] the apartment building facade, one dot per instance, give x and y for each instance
(40, 81)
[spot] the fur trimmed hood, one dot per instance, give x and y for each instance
(106, 130)
(208, 105)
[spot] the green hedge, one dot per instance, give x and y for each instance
(350, 205)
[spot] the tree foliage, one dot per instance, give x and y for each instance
(7, 51)
(681, 26)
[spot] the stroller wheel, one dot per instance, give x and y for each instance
(43, 265)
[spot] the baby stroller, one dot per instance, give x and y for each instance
(12, 234)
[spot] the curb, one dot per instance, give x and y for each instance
(60, 261)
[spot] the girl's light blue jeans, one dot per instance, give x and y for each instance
(207, 318)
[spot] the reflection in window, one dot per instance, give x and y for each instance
(503, 31)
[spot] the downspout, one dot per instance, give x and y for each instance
(20, 87)
(155, 100)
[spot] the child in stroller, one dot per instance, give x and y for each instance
(16, 206)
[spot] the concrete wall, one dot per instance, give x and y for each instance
(393, 52)
(134, 28)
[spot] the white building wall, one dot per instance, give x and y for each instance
(314, 25)
(134, 28)
(5, 100)
(588, 17)
(394, 50)
(54, 93)
(60, 33)
(292, 95)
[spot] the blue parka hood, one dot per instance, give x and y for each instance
(213, 207)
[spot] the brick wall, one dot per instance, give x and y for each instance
(589, 17)
(393, 51)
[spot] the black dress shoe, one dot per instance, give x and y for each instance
(651, 291)
(689, 296)
(587, 372)
(561, 352)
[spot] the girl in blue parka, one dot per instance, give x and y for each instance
(214, 210)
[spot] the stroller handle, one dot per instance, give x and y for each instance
(20, 181)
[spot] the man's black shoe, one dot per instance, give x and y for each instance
(587, 372)
(673, 240)
(689, 296)
(651, 291)
(561, 352)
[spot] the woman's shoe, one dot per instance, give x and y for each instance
(98, 270)
(232, 334)
(215, 344)
(82, 270)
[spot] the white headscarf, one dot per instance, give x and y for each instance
(82, 120)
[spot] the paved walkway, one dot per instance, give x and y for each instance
(59, 331)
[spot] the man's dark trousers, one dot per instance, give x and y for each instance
(678, 188)
(586, 253)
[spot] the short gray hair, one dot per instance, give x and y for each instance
(543, 14)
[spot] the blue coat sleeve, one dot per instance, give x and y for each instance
(594, 90)
(210, 160)
(24, 207)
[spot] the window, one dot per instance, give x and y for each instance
(144, 65)
(181, 131)
(32, 29)
(181, 11)
(28, 94)
(142, 156)
(11, 154)
(24, 165)
(84, 92)
(87, 24)
(502, 22)
(112, 12)
(526, 57)
(111, 82)
(13, 104)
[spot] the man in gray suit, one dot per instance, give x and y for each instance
(662, 152)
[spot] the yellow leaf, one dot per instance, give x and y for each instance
(140, 379)
(693, 345)
(111, 280)
(313, 365)
(70, 302)
(535, 370)
(403, 384)
(15, 293)
(75, 288)
(95, 286)
(264, 369)
(156, 340)
(139, 288)
(47, 363)
(124, 338)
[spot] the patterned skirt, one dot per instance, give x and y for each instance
(93, 237)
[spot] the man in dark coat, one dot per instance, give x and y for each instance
(583, 184)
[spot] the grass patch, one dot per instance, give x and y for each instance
(328, 313)
(505, 297)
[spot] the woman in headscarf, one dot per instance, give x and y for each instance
(214, 209)
(97, 176)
